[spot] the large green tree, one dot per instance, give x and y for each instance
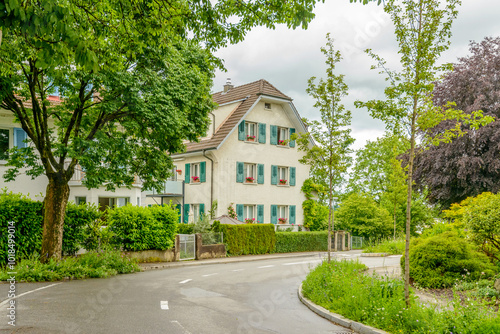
(330, 158)
(135, 78)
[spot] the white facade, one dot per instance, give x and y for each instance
(227, 187)
(10, 135)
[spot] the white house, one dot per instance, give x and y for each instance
(246, 160)
(12, 135)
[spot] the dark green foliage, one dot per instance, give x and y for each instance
(287, 242)
(249, 238)
(185, 228)
(90, 265)
(27, 216)
(137, 228)
(78, 224)
(438, 261)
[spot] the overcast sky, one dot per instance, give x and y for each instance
(288, 58)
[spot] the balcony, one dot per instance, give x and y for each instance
(169, 188)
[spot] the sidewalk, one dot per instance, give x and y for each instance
(242, 258)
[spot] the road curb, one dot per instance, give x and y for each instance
(154, 266)
(337, 318)
(374, 254)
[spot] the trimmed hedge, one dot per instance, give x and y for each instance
(249, 238)
(138, 228)
(185, 228)
(289, 242)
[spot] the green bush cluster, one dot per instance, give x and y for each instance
(77, 228)
(138, 228)
(185, 228)
(90, 265)
(439, 261)
(388, 245)
(344, 288)
(249, 238)
(288, 242)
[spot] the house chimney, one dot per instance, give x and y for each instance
(228, 85)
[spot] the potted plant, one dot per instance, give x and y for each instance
(281, 220)
(179, 171)
(282, 142)
(250, 138)
(249, 179)
(195, 178)
(283, 182)
(249, 220)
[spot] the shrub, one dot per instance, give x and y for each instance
(137, 228)
(90, 265)
(249, 238)
(287, 242)
(185, 228)
(343, 288)
(389, 246)
(439, 261)
(77, 223)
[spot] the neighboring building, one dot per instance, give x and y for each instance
(12, 135)
(246, 160)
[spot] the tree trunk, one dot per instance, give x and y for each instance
(54, 210)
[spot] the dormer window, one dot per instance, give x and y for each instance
(267, 106)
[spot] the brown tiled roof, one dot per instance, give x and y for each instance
(250, 93)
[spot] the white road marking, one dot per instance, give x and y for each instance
(178, 323)
(238, 270)
(210, 274)
(186, 280)
(164, 304)
(27, 292)
(272, 265)
(293, 263)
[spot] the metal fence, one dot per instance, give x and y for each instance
(187, 246)
(212, 238)
(356, 242)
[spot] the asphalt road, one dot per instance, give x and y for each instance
(239, 297)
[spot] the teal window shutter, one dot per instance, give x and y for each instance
(178, 207)
(260, 214)
(260, 174)
(274, 214)
(241, 131)
(186, 213)
(187, 172)
(292, 214)
(274, 135)
(19, 137)
(274, 174)
(292, 142)
(292, 176)
(202, 209)
(239, 172)
(203, 171)
(262, 133)
(239, 211)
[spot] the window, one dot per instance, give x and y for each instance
(267, 106)
(283, 214)
(282, 175)
(138, 203)
(112, 202)
(249, 213)
(250, 173)
(195, 172)
(251, 131)
(80, 200)
(4, 144)
(173, 177)
(282, 136)
(196, 212)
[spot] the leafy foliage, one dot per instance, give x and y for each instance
(185, 228)
(138, 228)
(315, 214)
(469, 165)
(288, 242)
(79, 223)
(360, 215)
(439, 261)
(249, 238)
(389, 245)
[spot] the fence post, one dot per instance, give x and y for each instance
(349, 241)
(198, 243)
(177, 248)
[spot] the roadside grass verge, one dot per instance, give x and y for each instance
(344, 288)
(391, 246)
(91, 265)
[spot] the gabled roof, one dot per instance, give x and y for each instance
(247, 94)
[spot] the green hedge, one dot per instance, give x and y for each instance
(138, 228)
(288, 242)
(185, 228)
(249, 238)
(78, 220)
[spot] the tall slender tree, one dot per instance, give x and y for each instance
(330, 158)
